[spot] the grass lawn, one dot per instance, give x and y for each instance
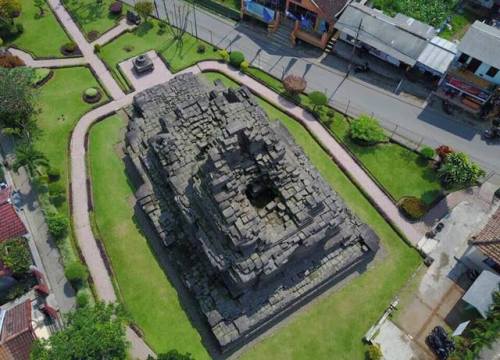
(42, 36)
(460, 23)
(146, 37)
(401, 171)
(149, 297)
(92, 15)
(334, 325)
(233, 4)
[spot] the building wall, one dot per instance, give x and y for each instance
(482, 70)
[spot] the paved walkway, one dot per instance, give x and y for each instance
(385, 205)
(87, 50)
(62, 62)
(114, 32)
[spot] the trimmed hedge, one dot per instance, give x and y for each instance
(412, 207)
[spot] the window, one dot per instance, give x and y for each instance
(474, 65)
(463, 58)
(492, 71)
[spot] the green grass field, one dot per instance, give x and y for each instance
(146, 37)
(42, 36)
(92, 15)
(61, 106)
(460, 23)
(334, 325)
(148, 295)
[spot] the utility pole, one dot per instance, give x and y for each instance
(354, 46)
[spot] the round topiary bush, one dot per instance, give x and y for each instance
(116, 8)
(244, 66)
(201, 49)
(294, 84)
(69, 48)
(91, 95)
(82, 299)
(317, 99)
(428, 152)
(365, 130)
(412, 207)
(76, 273)
(236, 58)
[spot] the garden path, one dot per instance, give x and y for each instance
(108, 36)
(48, 63)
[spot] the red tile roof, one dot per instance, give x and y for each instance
(488, 239)
(17, 334)
(10, 224)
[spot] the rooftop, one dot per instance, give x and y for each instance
(10, 224)
(482, 42)
(401, 37)
(488, 239)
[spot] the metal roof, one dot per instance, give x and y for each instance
(482, 42)
(438, 54)
(400, 37)
(480, 293)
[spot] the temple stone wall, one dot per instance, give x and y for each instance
(252, 225)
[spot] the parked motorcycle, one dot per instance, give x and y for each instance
(440, 343)
(362, 68)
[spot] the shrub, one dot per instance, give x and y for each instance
(69, 47)
(374, 352)
(128, 48)
(58, 225)
(366, 130)
(428, 152)
(201, 49)
(54, 174)
(317, 98)
(19, 28)
(1, 41)
(330, 113)
(458, 169)
(97, 48)
(2, 174)
(91, 92)
(116, 8)
(55, 188)
(236, 58)
(76, 273)
(92, 35)
(412, 207)
(82, 299)
(294, 84)
(244, 66)
(224, 55)
(10, 61)
(15, 254)
(443, 151)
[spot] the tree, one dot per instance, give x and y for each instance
(294, 84)
(9, 10)
(57, 224)
(76, 273)
(29, 157)
(458, 169)
(96, 332)
(40, 5)
(366, 130)
(144, 8)
(317, 98)
(15, 254)
(18, 102)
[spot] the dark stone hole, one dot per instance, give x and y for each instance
(260, 192)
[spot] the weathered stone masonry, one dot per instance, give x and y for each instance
(252, 225)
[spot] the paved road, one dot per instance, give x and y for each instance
(431, 126)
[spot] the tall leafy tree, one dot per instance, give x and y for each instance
(458, 169)
(29, 157)
(18, 102)
(96, 332)
(9, 10)
(144, 8)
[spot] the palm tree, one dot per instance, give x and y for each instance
(28, 156)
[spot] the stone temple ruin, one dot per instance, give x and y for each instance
(254, 230)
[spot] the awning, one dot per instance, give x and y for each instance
(480, 293)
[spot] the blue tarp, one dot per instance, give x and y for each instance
(260, 11)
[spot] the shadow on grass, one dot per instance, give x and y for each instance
(144, 28)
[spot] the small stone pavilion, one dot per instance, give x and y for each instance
(253, 228)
